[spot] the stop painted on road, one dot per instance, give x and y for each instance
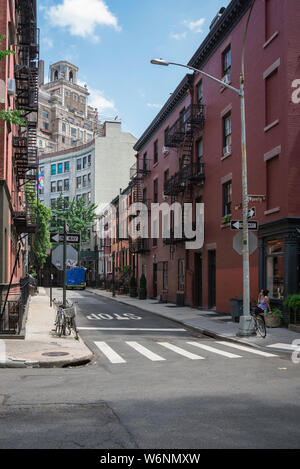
(111, 316)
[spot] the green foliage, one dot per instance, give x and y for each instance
(293, 303)
(41, 240)
(276, 312)
(126, 269)
(143, 282)
(5, 53)
(226, 219)
(132, 283)
(78, 214)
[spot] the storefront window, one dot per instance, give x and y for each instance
(275, 268)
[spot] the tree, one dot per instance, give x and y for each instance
(78, 214)
(41, 239)
(10, 115)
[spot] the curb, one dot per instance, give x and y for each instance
(206, 332)
(22, 363)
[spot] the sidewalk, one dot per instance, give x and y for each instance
(208, 322)
(41, 347)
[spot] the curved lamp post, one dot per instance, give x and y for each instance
(245, 325)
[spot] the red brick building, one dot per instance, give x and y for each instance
(192, 153)
(18, 154)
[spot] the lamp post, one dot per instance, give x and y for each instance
(245, 325)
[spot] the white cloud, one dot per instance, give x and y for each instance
(178, 36)
(154, 106)
(97, 99)
(195, 26)
(82, 17)
(47, 42)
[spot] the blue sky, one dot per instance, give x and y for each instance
(112, 43)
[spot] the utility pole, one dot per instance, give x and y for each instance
(64, 266)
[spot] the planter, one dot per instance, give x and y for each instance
(133, 292)
(142, 294)
(272, 320)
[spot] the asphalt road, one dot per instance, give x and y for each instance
(151, 385)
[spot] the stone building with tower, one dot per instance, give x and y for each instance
(65, 118)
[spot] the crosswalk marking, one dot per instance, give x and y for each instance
(246, 349)
(290, 347)
(181, 351)
(110, 353)
(214, 350)
(146, 329)
(146, 352)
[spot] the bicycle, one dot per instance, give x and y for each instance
(65, 319)
(259, 323)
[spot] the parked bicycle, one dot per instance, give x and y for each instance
(259, 322)
(65, 319)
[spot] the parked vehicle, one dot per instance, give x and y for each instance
(76, 278)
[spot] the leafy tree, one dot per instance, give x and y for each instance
(41, 240)
(10, 115)
(78, 214)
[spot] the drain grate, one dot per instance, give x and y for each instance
(55, 354)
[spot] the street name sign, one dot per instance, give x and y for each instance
(238, 225)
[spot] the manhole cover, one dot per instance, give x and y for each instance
(55, 354)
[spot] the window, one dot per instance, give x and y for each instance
(155, 233)
(87, 126)
(226, 64)
(89, 160)
(45, 125)
(89, 137)
(42, 171)
(59, 186)
(199, 92)
(78, 164)
(275, 268)
(78, 182)
(82, 100)
(199, 154)
(45, 114)
(272, 91)
(67, 93)
(166, 136)
(66, 184)
(73, 132)
(75, 97)
(155, 191)
(59, 168)
(181, 275)
(89, 179)
(84, 162)
(63, 127)
(84, 180)
(227, 134)
(40, 143)
(155, 152)
(67, 166)
(80, 134)
(53, 186)
(73, 142)
(227, 198)
(165, 276)
(63, 139)
(71, 120)
(53, 169)
(166, 176)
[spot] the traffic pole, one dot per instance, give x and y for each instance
(64, 268)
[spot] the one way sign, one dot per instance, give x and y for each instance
(59, 238)
(238, 225)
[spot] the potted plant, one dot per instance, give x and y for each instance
(226, 219)
(143, 287)
(132, 287)
(274, 318)
(293, 304)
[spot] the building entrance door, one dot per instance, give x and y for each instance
(212, 279)
(198, 280)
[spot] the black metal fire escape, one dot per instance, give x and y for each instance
(25, 144)
(138, 172)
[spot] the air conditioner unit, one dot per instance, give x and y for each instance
(227, 150)
(11, 87)
(165, 150)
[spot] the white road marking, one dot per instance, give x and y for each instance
(128, 329)
(146, 352)
(215, 350)
(246, 349)
(109, 353)
(181, 351)
(291, 347)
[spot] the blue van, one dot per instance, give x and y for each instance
(76, 278)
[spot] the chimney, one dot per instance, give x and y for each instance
(41, 72)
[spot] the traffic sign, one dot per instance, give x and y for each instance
(238, 242)
(59, 238)
(238, 225)
(57, 257)
(251, 212)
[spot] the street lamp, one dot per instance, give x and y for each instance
(245, 325)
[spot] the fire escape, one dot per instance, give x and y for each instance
(25, 144)
(191, 173)
(138, 172)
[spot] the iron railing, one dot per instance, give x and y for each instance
(191, 173)
(193, 118)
